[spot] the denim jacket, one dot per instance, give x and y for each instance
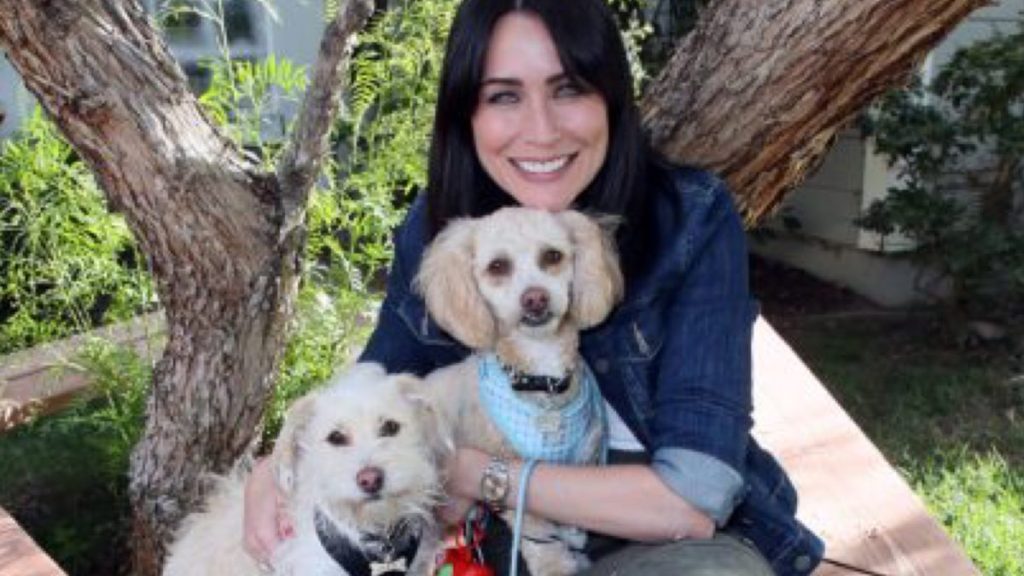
(673, 360)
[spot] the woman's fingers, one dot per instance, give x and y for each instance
(265, 519)
(454, 511)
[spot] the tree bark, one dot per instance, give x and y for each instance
(759, 89)
(222, 237)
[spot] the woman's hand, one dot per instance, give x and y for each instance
(462, 472)
(454, 510)
(266, 522)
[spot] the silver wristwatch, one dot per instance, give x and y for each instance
(494, 484)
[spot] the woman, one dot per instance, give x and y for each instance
(535, 108)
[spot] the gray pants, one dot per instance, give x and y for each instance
(723, 555)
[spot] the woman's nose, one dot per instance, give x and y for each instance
(541, 124)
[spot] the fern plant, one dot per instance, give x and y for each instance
(383, 132)
(68, 264)
(247, 99)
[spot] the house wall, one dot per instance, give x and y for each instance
(814, 227)
(15, 101)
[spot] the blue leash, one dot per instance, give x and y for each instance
(524, 482)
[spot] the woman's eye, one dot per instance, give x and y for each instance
(569, 90)
(337, 438)
(499, 267)
(389, 428)
(503, 97)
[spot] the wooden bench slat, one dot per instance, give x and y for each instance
(849, 494)
(19, 554)
(42, 380)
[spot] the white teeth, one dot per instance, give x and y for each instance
(542, 167)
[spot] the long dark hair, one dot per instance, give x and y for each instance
(590, 48)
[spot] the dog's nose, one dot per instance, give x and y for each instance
(370, 479)
(534, 301)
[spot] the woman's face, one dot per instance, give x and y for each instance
(539, 134)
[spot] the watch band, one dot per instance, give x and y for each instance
(494, 483)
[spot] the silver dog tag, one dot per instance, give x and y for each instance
(550, 426)
(378, 568)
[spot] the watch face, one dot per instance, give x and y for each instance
(494, 483)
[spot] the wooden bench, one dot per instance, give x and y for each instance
(44, 379)
(19, 555)
(849, 494)
(867, 515)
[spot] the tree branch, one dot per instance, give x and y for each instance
(301, 161)
(760, 88)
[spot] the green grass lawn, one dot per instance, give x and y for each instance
(951, 420)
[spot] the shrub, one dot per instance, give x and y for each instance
(68, 264)
(383, 132)
(65, 476)
(958, 145)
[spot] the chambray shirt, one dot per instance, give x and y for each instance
(673, 359)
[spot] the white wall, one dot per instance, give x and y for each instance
(15, 101)
(824, 206)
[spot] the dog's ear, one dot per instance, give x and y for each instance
(447, 284)
(289, 447)
(597, 278)
(437, 425)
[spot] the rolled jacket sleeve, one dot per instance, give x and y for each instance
(703, 481)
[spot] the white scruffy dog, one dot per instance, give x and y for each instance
(359, 461)
(517, 286)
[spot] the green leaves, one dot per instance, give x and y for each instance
(382, 137)
(67, 263)
(958, 146)
(984, 85)
(248, 100)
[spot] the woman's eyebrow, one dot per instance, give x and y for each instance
(501, 82)
(555, 79)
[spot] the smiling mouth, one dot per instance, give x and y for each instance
(541, 167)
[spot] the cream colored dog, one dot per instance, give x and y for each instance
(517, 286)
(359, 461)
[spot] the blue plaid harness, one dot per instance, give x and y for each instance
(548, 435)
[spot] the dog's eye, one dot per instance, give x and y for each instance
(337, 438)
(551, 257)
(389, 428)
(499, 267)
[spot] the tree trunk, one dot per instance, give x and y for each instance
(758, 91)
(223, 238)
